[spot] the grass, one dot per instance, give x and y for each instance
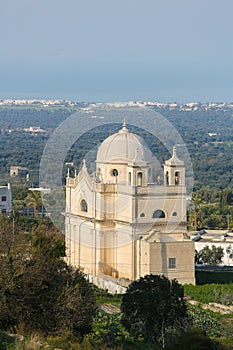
(218, 293)
(109, 299)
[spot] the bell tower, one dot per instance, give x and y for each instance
(175, 188)
(174, 171)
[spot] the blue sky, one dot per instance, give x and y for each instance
(105, 50)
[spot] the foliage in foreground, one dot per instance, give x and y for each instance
(108, 329)
(151, 305)
(205, 320)
(195, 339)
(39, 292)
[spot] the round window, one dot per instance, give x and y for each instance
(114, 172)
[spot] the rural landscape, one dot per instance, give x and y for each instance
(116, 175)
(46, 304)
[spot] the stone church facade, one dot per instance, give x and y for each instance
(124, 221)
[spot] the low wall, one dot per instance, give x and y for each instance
(105, 283)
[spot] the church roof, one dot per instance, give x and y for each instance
(126, 147)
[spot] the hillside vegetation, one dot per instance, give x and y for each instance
(207, 132)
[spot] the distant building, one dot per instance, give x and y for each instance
(35, 130)
(125, 221)
(16, 170)
(5, 199)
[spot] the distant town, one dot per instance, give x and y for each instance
(191, 106)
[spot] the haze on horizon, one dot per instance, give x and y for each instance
(117, 50)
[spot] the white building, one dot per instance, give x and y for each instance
(5, 199)
(122, 221)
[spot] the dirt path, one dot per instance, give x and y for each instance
(215, 307)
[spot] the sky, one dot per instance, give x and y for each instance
(105, 50)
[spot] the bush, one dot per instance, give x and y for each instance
(205, 320)
(195, 339)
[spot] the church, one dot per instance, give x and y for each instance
(125, 220)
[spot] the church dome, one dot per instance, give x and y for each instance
(124, 147)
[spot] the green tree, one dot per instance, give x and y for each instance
(151, 305)
(48, 243)
(34, 200)
(209, 256)
(39, 292)
(77, 306)
(195, 219)
(31, 296)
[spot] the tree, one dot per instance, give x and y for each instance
(194, 216)
(39, 292)
(78, 306)
(151, 305)
(210, 256)
(34, 200)
(49, 243)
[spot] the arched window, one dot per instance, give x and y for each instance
(158, 214)
(83, 205)
(167, 178)
(177, 178)
(142, 215)
(174, 213)
(139, 179)
(114, 172)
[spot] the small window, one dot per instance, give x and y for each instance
(158, 214)
(167, 178)
(172, 263)
(129, 178)
(139, 177)
(174, 213)
(83, 205)
(3, 198)
(3, 211)
(142, 215)
(114, 172)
